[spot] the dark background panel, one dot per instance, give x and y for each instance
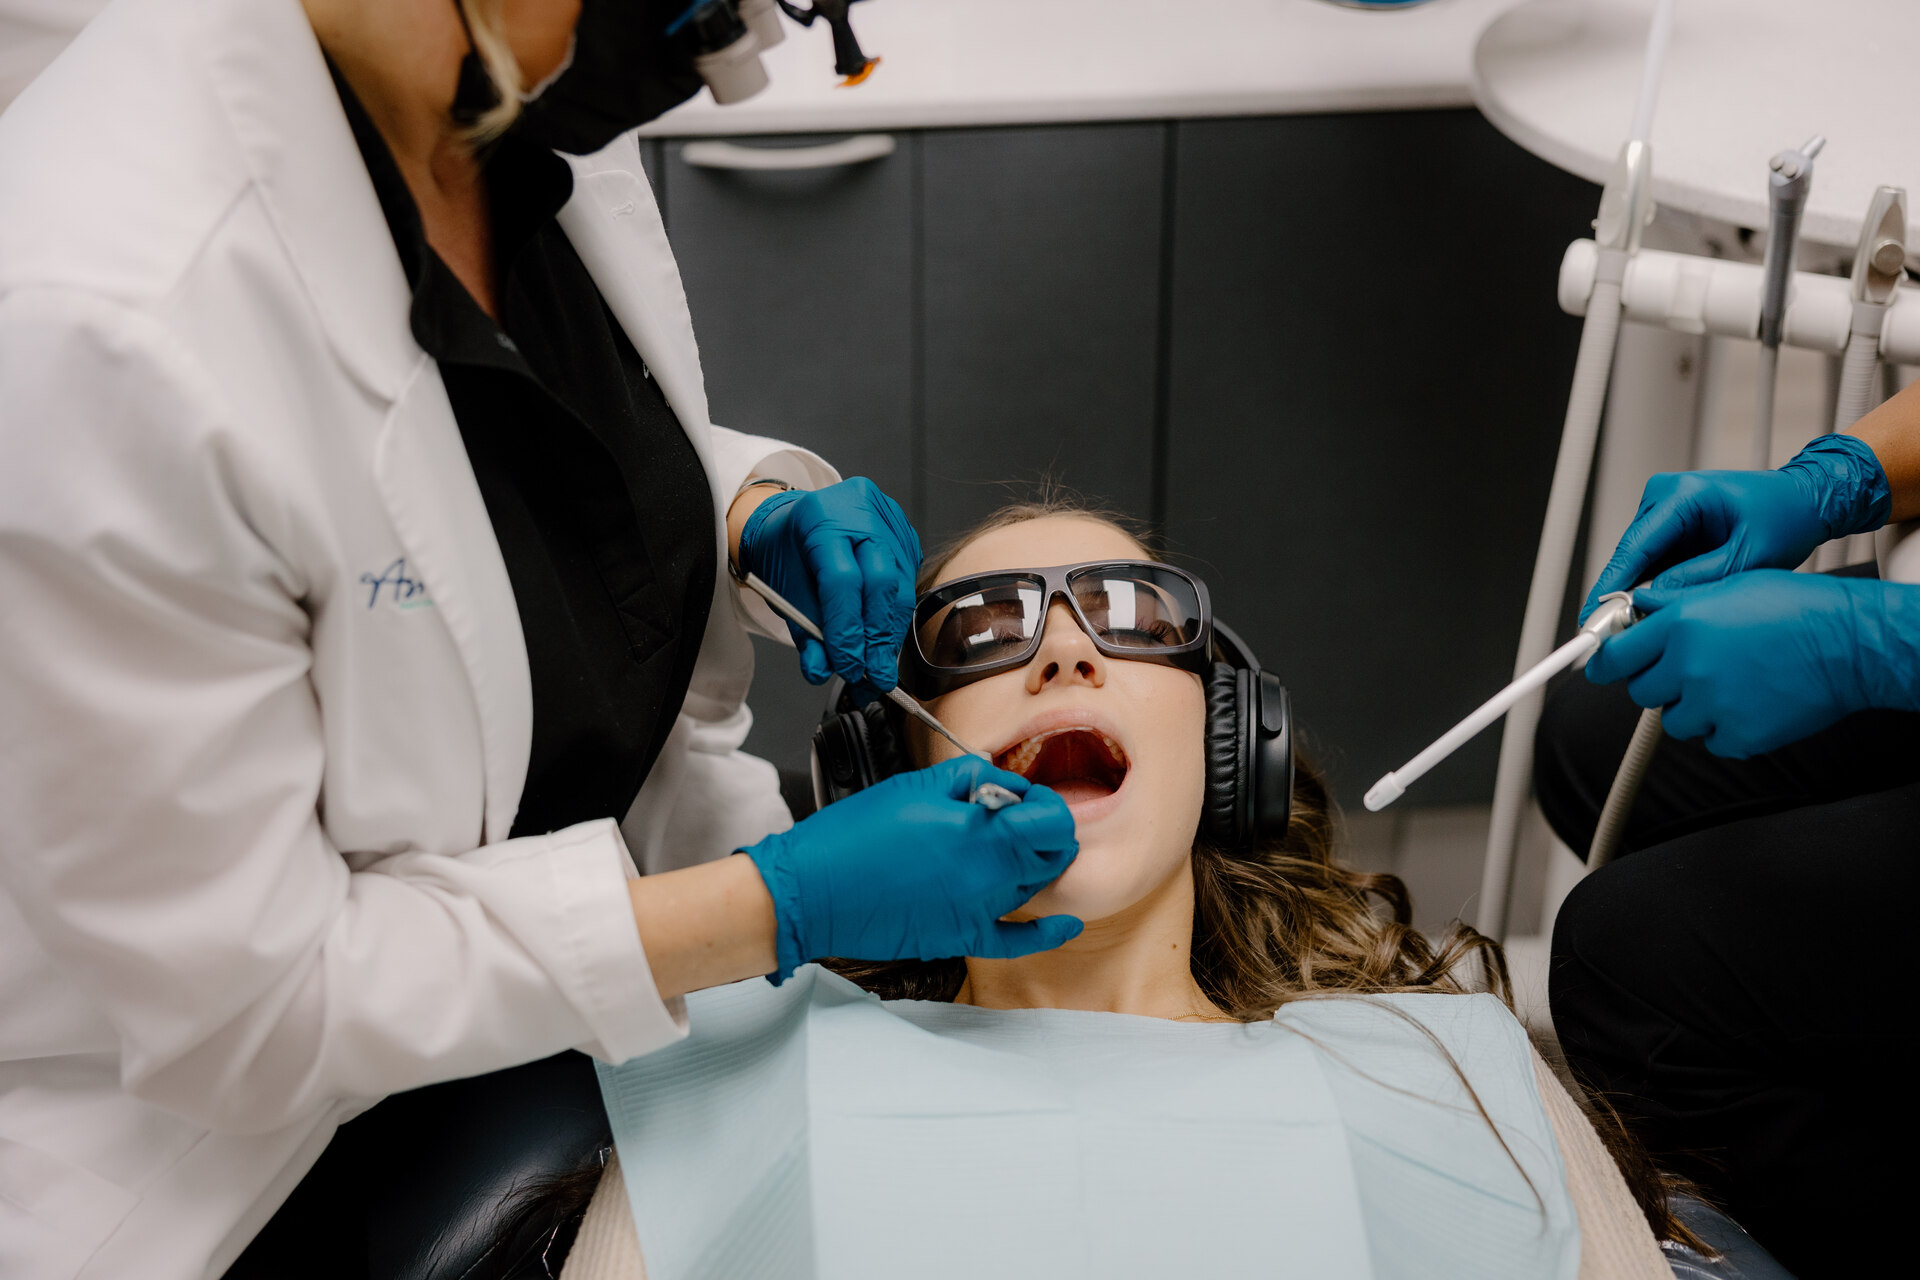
(1042, 271)
(1368, 373)
(802, 301)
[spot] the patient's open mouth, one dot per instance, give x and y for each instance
(1078, 762)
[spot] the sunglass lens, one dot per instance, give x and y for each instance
(1138, 606)
(991, 621)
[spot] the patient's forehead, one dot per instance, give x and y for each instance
(1035, 544)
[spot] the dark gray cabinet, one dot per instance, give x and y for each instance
(1367, 377)
(1042, 269)
(801, 289)
(1321, 352)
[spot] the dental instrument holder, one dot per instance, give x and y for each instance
(1788, 183)
(1613, 615)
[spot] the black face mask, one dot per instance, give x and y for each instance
(624, 73)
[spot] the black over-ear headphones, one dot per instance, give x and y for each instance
(1249, 745)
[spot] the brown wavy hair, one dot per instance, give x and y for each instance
(1285, 920)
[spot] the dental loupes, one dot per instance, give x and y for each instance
(896, 695)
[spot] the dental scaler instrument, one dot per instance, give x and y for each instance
(1626, 207)
(1611, 616)
(1787, 187)
(896, 695)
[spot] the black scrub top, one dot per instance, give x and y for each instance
(597, 498)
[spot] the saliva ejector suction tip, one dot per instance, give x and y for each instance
(1383, 793)
(1612, 615)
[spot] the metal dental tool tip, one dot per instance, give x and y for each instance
(896, 695)
(992, 796)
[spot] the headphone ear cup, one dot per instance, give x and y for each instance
(1220, 819)
(842, 764)
(852, 750)
(1270, 748)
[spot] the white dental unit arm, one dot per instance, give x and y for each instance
(1691, 294)
(1611, 616)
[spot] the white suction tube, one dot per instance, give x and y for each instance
(1613, 615)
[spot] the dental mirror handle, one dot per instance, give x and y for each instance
(896, 695)
(1615, 614)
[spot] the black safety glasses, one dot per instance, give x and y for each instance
(979, 626)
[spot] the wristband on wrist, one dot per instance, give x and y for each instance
(778, 486)
(1846, 481)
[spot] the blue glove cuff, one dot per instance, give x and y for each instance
(757, 522)
(1886, 642)
(789, 951)
(1847, 483)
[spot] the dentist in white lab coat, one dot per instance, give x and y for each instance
(265, 698)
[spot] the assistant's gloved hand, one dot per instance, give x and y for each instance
(907, 869)
(1729, 521)
(846, 557)
(1767, 657)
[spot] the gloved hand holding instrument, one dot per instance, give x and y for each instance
(1766, 657)
(847, 555)
(1737, 652)
(909, 869)
(1709, 524)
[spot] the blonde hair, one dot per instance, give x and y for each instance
(486, 27)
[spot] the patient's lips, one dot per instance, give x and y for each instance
(1079, 762)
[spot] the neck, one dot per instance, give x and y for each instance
(1138, 961)
(402, 58)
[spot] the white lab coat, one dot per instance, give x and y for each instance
(264, 704)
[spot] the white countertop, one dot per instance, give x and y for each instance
(1744, 79)
(950, 63)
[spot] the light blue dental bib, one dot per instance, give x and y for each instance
(814, 1132)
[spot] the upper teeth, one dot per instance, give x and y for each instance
(1022, 757)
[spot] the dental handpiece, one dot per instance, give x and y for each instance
(1789, 179)
(1613, 615)
(1000, 797)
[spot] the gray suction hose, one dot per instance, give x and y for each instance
(1626, 207)
(1859, 378)
(1551, 564)
(1879, 265)
(1625, 790)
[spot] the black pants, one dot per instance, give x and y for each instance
(1738, 984)
(418, 1187)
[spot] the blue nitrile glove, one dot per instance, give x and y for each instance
(907, 869)
(1766, 657)
(846, 557)
(1729, 521)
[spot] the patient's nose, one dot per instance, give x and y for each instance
(1067, 656)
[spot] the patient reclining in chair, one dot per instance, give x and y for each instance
(1248, 1062)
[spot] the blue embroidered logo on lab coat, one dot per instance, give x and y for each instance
(396, 587)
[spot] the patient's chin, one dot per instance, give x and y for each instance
(1102, 882)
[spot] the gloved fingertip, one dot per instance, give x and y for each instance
(1060, 930)
(813, 661)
